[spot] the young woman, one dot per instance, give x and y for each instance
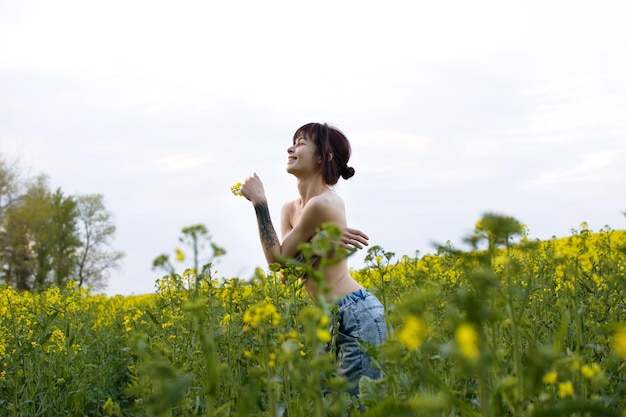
(318, 157)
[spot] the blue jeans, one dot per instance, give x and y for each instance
(361, 318)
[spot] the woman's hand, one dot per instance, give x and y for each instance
(353, 239)
(253, 190)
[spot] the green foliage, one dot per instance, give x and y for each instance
(48, 238)
(524, 328)
(63, 237)
(40, 238)
(196, 238)
(95, 258)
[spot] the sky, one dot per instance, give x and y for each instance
(453, 108)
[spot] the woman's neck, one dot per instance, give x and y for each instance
(311, 187)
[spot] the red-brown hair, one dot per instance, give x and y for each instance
(333, 147)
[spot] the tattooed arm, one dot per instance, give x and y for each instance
(316, 212)
(267, 233)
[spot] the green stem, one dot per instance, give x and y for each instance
(17, 361)
(484, 393)
(517, 357)
(383, 287)
(579, 337)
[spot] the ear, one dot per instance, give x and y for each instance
(330, 157)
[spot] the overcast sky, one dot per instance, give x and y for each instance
(453, 109)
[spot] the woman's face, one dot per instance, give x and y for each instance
(302, 156)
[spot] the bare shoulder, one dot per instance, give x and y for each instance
(287, 217)
(290, 211)
(290, 206)
(328, 206)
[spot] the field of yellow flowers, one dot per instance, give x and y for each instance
(511, 327)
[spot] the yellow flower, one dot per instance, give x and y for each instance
(574, 366)
(236, 189)
(225, 321)
(131, 319)
(589, 371)
(413, 333)
(566, 389)
(180, 256)
(618, 342)
(261, 312)
(467, 341)
(323, 335)
(550, 378)
(56, 342)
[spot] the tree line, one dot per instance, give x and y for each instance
(49, 238)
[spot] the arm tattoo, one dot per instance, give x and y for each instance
(266, 229)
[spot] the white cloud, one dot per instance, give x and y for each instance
(181, 162)
(454, 108)
(595, 168)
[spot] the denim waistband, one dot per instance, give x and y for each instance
(353, 297)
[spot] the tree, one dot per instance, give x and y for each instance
(10, 190)
(24, 258)
(63, 237)
(10, 184)
(15, 252)
(40, 239)
(48, 238)
(34, 212)
(97, 231)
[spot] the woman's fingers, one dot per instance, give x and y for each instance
(354, 239)
(252, 188)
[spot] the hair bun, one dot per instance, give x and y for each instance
(347, 172)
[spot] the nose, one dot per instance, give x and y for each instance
(291, 149)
